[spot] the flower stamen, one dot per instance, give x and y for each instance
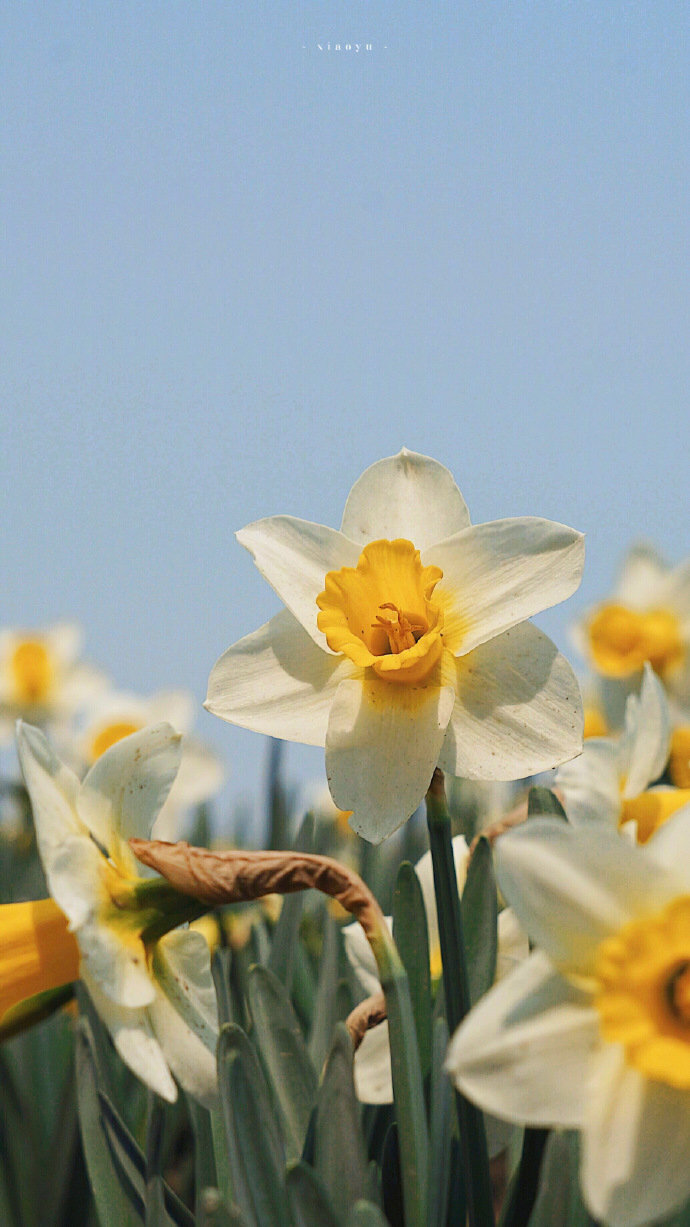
(403, 630)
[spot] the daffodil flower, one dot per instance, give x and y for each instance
(42, 678)
(372, 1069)
(646, 619)
(117, 714)
(155, 993)
(609, 782)
(592, 1031)
(404, 644)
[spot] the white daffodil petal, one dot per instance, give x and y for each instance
(590, 783)
(372, 1067)
(134, 1040)
(53, 790)
(74, 875)
(425, 872)
(126, 787)
(517, 710)
(641, 573)
(65, 641)
(382, 746)
(503, 572)
(117, 962)
(177, 707)
(513, 943)
(570, 893)
(201, 773)
(276, 681)
(676, 593)
(294, 556)
(635, 1144)
(645, 743)
(184, 1013)
(361, 957)
(670, 847)
(407, 495)
(522, 1052)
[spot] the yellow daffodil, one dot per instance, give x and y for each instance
(592, 1031)
(42, 678)
(154, 993)
(404, 643)
(646, 619)
(117, 714)
(609, 782)
(37, 951)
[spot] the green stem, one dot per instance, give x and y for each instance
(408, 1089)
(457, 998)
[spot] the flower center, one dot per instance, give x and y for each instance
(643, 996)
(382, 613)
(652, 808)
(32, 672)
(622, 639)
(109, 736)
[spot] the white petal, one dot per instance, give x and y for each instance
(276, 681)
(134, 1039)
(78, 687)
(294, 556)
(571, 888)
(184, 1013)
(675, 592)
(53, 790)
(64, 641)
(178, 707)
(372, 1068)
(382, 746)
(641, 575)
(517, 710)
(126, 787)
(513, 943)
(590, 783)
(361, 957)
(201, 773)
(425, 872)
(670, 846)
(501, 573)
(523, 1051)
(635, 1144)
(407, 495)
(117, 966)
(645, 743)
(74, 876)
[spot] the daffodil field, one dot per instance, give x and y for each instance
(455, 991)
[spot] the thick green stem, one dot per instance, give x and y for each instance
(408, 1089)
(457, 998)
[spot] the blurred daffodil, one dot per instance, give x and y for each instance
(37, 952)
(610, 780)
(151, 982)
(404, 643)
(592, 1031)
(42, 678)
(117, 714)
(646, 619)
(372, 1069)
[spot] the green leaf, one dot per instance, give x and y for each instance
(559, 1203)
(255, 1150)
(278, 1037)
(309, 1201)
(118, 1202)
(286, 932)
(479, 909)
(522, 1190)
(205, 1176)
(366, 1214)
(411, 936)
(441, 1127)
(543, 803)
(340, 1156)
(325, 1013)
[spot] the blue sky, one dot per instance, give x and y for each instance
(238, 269)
